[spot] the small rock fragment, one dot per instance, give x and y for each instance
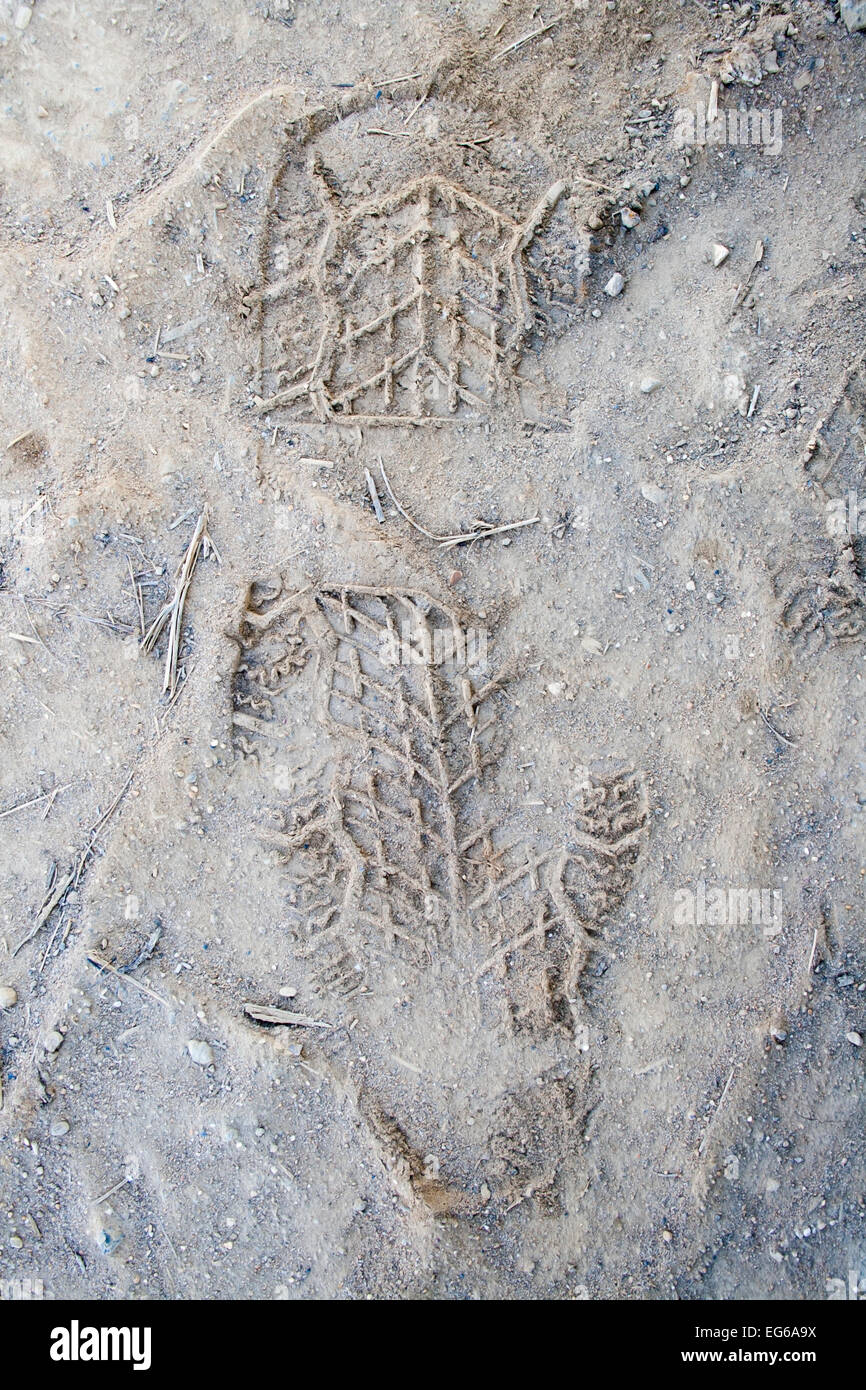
(649, 384)
(855, 1038)
(59, 1128)
(853, 12)
(656, 495)
(629, 218)
(8, 997)
(200, 1052)
(52, 1040)
(720, 253)
(615, 285)
(23, 16)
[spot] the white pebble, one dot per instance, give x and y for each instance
(649, 384)
(656, 495)
(200, 1052)
(855, 1038)
(720, 253)
(59, 1128)
(615, 285)
(52, 1040)
(8, 997)
(23, 16)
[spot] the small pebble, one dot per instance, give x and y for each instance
(556, 688)
(8, 997)
(629, 218)
(288, 992)
(649, 384)
(52, 1040)
(855, 1038)
(23, 16)
(59, 1128)
(200, 1052)
(656, 495)
(16, 1242)
(720, 253)
(615, 285)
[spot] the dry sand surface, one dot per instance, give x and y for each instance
(432, 605)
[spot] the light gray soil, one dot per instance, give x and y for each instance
(250, 255)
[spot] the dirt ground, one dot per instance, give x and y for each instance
(400, 901)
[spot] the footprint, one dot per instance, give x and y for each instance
(400, 863)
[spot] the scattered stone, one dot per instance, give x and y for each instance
(200, 1052)
(720, 254)
(656, 495)
(288, 992)
(855, 1038)
(52, 1040)
(615, 285)
(16, 1242)
(853, 12)
(741, 65)
(8, 997)
(556, 688)
(772, 1185)
(802, 80)
(58, 1128)
(108, 1238)
(23, 16)
(649, 384)
(844, 981)
(685, 180)
(629, 218)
